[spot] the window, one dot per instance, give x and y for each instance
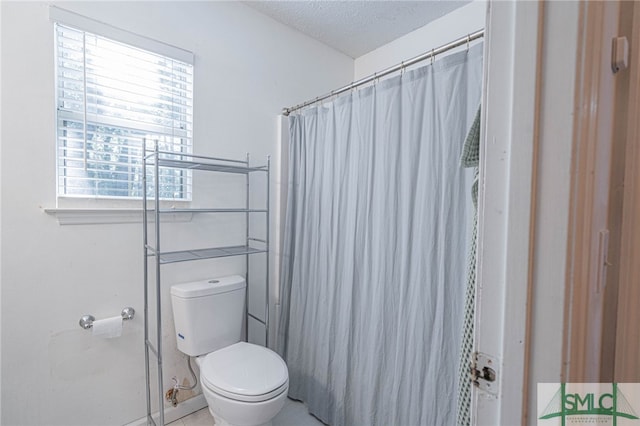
(110, 97)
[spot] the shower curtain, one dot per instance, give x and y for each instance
(377, 229)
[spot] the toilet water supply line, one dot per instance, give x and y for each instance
(172, 394)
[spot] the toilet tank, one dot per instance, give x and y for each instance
(208, 314)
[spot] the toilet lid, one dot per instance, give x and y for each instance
(244, 369)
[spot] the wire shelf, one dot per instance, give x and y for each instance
(207, 253)
(207, 210)
(208, 166)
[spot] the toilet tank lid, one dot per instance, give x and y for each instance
(208, 287)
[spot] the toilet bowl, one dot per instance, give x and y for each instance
(244, 384)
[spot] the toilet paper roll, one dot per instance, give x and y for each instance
(108, 328)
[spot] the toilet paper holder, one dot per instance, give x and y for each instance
(86, 322)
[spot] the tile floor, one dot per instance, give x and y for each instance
(294, 413)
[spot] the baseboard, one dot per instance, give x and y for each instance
(172, 414)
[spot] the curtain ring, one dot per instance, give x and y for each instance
(402, 68)
(433, 56)
(375, 78)
(468, 40)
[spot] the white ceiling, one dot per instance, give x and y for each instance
(355, 27)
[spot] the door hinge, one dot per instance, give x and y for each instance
(484, 372)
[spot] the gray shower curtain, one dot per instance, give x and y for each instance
(377, 227)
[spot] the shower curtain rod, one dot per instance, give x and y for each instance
(430, 54)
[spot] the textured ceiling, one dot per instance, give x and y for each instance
(355, 27)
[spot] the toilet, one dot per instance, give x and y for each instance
(244, 384)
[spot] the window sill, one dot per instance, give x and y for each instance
(81, 216)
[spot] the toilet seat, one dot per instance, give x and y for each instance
(248, 398)
(245, 372)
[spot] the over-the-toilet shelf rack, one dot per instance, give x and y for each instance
(155, 159)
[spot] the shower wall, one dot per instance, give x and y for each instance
(454, 25)
(247, 67)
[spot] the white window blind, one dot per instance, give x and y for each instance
(110, 97)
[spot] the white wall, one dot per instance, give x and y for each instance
(459, 23)
(247, 68)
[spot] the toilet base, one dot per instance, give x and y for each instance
(229, 412)
(219, 421)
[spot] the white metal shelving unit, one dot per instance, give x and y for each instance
(155, 257)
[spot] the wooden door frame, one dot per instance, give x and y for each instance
(587, 245)
(627, 367)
